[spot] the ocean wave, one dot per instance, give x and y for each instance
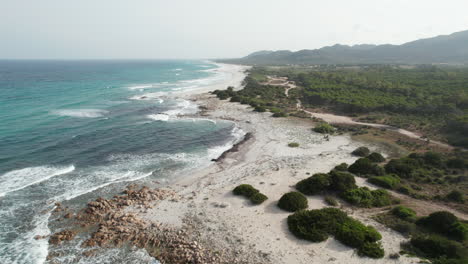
(159, 117)
(181, 108)
(22, 178)
(88, 113)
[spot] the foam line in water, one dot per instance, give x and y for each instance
(87, 113)
(22, 178)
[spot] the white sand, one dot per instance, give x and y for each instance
(270, 165)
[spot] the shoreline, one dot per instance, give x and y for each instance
(207, 213)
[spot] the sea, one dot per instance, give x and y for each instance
(71, 131)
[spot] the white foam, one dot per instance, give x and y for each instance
(181, 108)
(149, 96)
(159, 117)
(88, 113)
(138, 87)
(215, 152)
(26, 249)
(19, 179)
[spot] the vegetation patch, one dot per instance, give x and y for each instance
(293, 201)
(293, 145)
(387, 181)
(330, 200)
(361, 152)
(317, 225)
(403, 212)
(365, 167)
(364, 197)
(315, 184)
(248, 191)
(324, 128)
(376, 157)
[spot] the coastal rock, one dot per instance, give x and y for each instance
(59, 237)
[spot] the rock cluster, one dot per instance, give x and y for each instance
(65, 235)
(116, 227)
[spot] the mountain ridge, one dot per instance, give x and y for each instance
(442, 49)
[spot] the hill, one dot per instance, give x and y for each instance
(450, 49)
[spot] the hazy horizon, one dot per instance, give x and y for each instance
(182, 29)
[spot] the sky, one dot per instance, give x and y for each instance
(167, 29)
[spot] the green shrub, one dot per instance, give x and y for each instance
(342, 181)
(324, 128)
(455, 196)
(342, 167)
(293, 201)
(433, 159)
(258, 198)
(439, 221)
(403, 212)
(354, 234)
(315, 184)
(364, 197)
(293, 145)
(317, 225)
(364, 166)
(404, 189)
(330, 200)
(260, 109)
(434, 246)
(361, 152)
(376, 157)
(372, 250)
(280, 114)
(458, 231)
(246, 190)
(235, 99)
(387, 181)
(403, 167)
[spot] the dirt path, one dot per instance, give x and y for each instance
(337, 119)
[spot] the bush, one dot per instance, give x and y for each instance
(235, 99)
(403, 167)
(324, 128)
(364, 166)
(246, 190)
(372, 250)
(403, 212)
(317, 225)
(342, 167)
(361, 152)
(293, 145)
(404, 190)
(260, 109)
(439, 221)
(315, 184)
(458, 231)
(293, 201)
(258, 198)
(456, 196)
(280, 114)
(331, 200)
(354, 234)
(342, 181)
(364, 197)
(387, 181)
(376, 157)
(434, 246)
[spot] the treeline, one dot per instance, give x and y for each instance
(431, 93)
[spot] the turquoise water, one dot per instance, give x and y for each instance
(72, 130)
